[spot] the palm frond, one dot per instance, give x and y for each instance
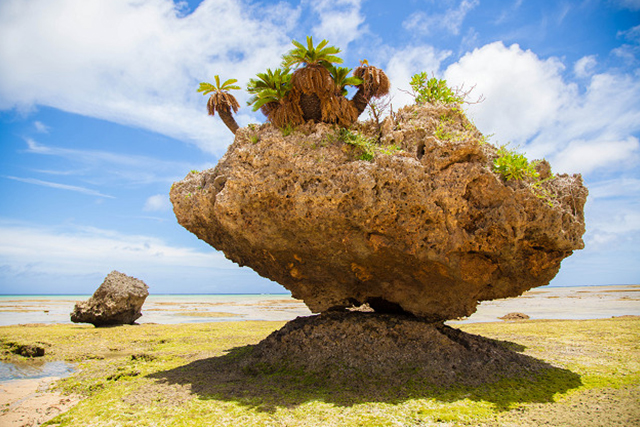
(310, 55)
(206, 88)
(340, 76)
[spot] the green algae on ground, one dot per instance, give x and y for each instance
(150, 375)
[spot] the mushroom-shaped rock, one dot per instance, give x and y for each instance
(117, 301)
(425, 227)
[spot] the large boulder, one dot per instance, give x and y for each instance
(117, 301)
(429, 229)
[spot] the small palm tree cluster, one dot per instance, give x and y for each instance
(309, 87)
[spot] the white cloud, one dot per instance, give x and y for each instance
(157, 203)
(522, 92)
(528, 102)
(451, 20)
(613, 215)
(584, 66)
(87, 247)
(134, 63)
(586, 156)
(75, 259)
(58, 186)
(340, 21)
(404, 63)
(619, 187)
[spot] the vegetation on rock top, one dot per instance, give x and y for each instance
(308, 87)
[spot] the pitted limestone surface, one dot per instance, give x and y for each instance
(429, 230)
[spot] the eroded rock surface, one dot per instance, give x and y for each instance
(117, 301)
(430, 230)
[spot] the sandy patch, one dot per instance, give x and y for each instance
(31, 402)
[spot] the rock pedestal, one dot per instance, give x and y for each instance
(424, 228)
(117, 301)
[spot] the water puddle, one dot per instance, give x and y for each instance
(34, 369)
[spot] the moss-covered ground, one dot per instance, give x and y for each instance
(165, 375)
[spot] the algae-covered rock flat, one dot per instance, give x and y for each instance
(178, 375)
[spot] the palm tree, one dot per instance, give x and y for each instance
(269, 90)
(312, 85)
(375, 85)
(222, 101)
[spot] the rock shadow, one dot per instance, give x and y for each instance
(351, 359)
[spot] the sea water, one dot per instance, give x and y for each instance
(34, 369)
(163, 309)
(582, 302)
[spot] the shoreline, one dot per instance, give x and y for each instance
(575, 302)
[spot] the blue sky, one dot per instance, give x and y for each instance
(99, 115)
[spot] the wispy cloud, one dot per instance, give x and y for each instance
(40, 127)
(135, 169)
(58, 186)
(63, 259)
(450, 20)
(157, 203)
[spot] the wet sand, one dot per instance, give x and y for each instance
(566, 303)
(29, 402)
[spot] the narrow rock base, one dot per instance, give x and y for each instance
(393, 347)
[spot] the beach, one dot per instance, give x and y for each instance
(177, 329)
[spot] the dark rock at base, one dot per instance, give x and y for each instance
(117, 301)
(388, 346)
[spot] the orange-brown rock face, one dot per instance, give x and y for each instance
(429, 230)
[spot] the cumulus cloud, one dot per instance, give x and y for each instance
(586, 156)
(340, 21)
(134, 63)
(450, 20)
(523, 93)
(584, 66)
(529, 103)
(403, 63)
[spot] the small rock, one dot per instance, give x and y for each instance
(28, 350)
(117, 301)
(514, 316)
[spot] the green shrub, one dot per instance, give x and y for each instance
(512, 165)
(367, 146)
(433, 90)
